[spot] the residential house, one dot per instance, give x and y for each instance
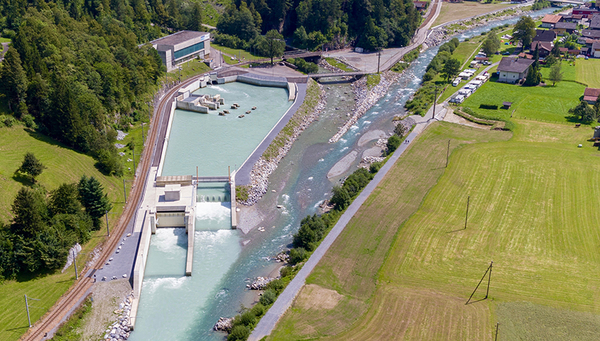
(595, 50)
(595, 22)
(421, 6)
(576, 18)
(590, 95)
(544, 48)
(588, 34)
(513, 70)
(549, 20)
(585, 12)
(544, 35)
(561, 28)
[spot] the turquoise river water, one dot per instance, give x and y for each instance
(175, 307)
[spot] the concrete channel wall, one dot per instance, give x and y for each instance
(140, 268)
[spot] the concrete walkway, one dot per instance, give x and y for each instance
(284, 301)
(4, 48)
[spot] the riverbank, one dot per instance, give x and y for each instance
(261, 170)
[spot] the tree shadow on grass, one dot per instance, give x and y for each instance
(44, 138)
(25, 180)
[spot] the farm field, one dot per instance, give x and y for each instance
(347, 276)
(534, 217)
(546, 103)
(64, 165)
(455, 11)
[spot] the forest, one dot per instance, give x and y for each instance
(326, 24)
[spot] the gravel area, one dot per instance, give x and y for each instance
(106, 299)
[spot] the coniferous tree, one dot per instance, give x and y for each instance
(93, 199)
(31, 166)
(13, 82)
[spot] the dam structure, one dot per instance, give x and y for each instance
(187, 219)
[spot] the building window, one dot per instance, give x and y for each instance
(189, 50)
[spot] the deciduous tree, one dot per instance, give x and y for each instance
(556, 74)
(524, 31)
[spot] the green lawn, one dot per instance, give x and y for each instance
(568, 70)
(189, 69)
(238, 53)
(540, 103)
(4, 40)
(64, 165)
(336, 63)
(588, 72)
(536, 218)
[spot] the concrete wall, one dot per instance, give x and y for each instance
(262, 82)
(192, 107)
(140, 267)
(170, 219)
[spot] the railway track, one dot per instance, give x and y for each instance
(45, 327)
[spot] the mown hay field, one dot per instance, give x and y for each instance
(533, 211)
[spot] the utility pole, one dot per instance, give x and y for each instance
(133, 152)
(489, 280)
(142, 133)
(489, 269)
(497, 324)
(378, 58)
(467, 214)
(124, 191)
(27, 307)
(448, 154)
(75, 264)
(434, 101)
(107, 230)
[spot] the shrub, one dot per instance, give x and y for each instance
(285, 271)
(393, 143)
(29, 122)
(489, 106)
(268, 297)
(258, 310)
(297, 255)
(341, 199)
(277, 285)
(239, 333)
(247, 319)
(375, 167)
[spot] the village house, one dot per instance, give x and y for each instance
(549, 20)
(561, 28)
(544, 35)
(588, 34)
(421, 6)
(585, 12)
(544, 48)
(574, 18)
(595, 50)
(513, 70)
(590, 95)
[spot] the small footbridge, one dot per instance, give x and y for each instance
(354, 74)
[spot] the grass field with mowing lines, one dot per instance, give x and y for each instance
(455, 11)
(549, 103)
(352, 263)
(588, 72)
(64, 165)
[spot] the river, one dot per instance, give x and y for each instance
(300, 183)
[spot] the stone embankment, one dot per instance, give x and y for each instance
(263, 168)
(365, 99)
(120, 329)
(225, 324)
(260, 283)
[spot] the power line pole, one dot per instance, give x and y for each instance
(133, 152)
(124, 191)
(142, 133)
(75, 264)
(467, 214)
(497, 324)
(448, 154)
(27, 307)
(378, 59)
(434, 100)
(489, 269)
(107, 230)
(489, 279)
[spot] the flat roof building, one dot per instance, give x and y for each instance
(179, 47)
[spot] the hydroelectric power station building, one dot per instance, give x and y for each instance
(179, 47)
